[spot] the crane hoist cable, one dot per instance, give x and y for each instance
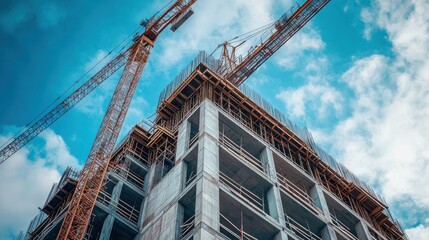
(123, 42)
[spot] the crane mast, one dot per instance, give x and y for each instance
(92, 176)
(235, 69)
(290, 23)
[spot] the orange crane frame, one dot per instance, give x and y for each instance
(285, 28)
(134, 58)
(92, 176)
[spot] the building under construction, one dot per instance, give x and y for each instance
(215, 162)
(218, 162)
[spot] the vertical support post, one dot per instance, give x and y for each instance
(362, 231)
(107, 227)
(179, 220)
(183, 135)
(148, 182)
(273, 195)
(116, 193)
(207, 196)
(108, 222)
(318, 197)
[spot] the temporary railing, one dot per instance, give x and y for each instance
(342, 227)
(373, 235)
(127, 175)
(135, 149)
(300, 231)
(191, 178)
(238, 150)
(193, 140)
(303, 196)
(48, 224)
(187, 227)
(249, 197)
(202, 57)
(69, 174)
(122, 208)
(236, 232)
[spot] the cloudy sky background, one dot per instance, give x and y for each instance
(357, 76)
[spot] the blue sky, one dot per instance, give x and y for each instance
(356, 76)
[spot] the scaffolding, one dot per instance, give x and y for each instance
(291, 142)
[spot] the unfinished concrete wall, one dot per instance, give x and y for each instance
(207, 196)
(161, 207)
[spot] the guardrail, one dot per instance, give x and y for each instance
(187, 227)
(191, 178)
(303, 196)
(342, 228)
(232, 146)
(300, 231)
(122, 208)
(193, 140)
(246, 195)
(236, 232)
(127, 175)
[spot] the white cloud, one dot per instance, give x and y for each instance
(316, 95)
(94, 103)
(367, 18)
(57, 152)
(213, 23)
(385, 140)
(297, 48)
(420, 232)
(99, 60)
(322, 99)
(136, 113)
(26, 179)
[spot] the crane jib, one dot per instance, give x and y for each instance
(286, 28)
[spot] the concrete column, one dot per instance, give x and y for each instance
(179, 220)
(316, 193)
(116, 193)
(273, 195)
(319, 200)
(183, 139)
(281, 236)
(328, 233)
(148, 181)
(275, 205)
(207, 196)
(209, 119)
(362, 231)
(107, 228)
(267, 160)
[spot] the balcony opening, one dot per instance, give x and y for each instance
(186, 215)
(242, 182)
(238, 222)
(343, 219)
(194, 125)
(190, 162)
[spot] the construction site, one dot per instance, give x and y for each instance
(217, 161)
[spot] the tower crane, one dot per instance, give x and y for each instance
(238, 68)
(233, 68)
(91, 178)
